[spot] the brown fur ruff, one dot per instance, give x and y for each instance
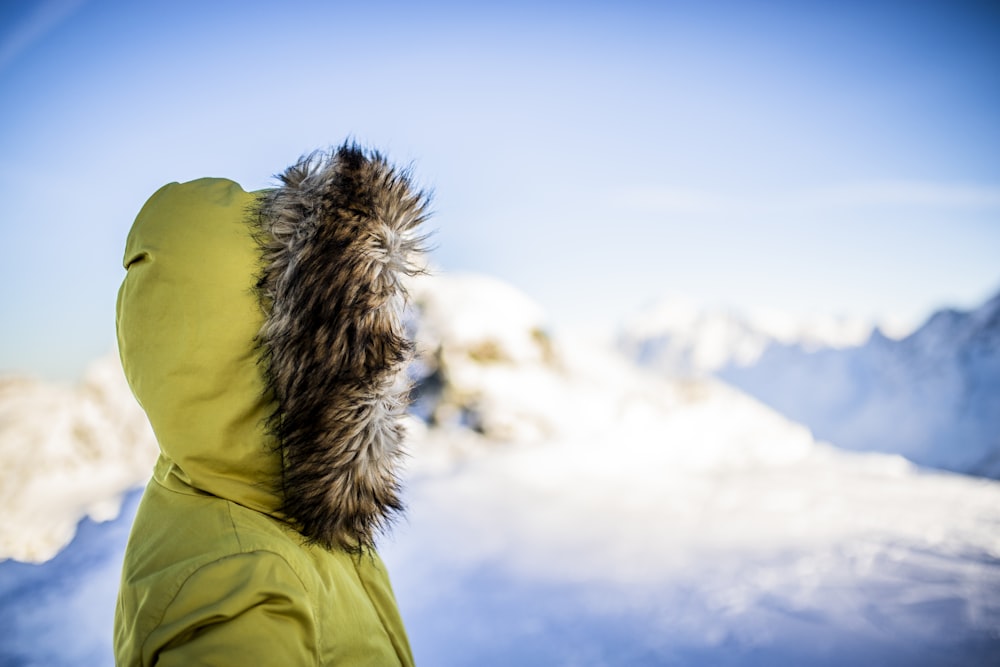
(337, 237)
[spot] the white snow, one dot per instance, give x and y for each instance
(803, 550)
(933, 397)
(568, 508)
(683, 338)
(67, 452)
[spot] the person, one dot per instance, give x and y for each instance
(262, 334)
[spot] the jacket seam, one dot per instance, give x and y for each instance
(187, 578)
(312, 606)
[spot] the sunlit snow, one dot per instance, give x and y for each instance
(67, 452)
(569, 508)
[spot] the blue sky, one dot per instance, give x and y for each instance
(810, 157)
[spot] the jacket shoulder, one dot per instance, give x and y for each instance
(247, 608)
(202, 573)
(176, 539)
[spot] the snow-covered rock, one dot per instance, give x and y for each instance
(487, 369)
(482, 350)
(67, 452)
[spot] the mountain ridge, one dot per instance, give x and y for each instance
(932, 396)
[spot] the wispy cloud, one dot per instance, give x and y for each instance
(690, 201)
(33, 26)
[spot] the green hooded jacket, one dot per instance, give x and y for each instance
(262, 335)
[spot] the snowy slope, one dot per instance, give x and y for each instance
(567, 508)
(933, 397)
(660, 551)
(59, 613)
(645, 521)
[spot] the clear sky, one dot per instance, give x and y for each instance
(811, 157)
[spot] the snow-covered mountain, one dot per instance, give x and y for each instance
(932, 396)
(679, 338)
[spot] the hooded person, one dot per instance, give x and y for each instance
(262, 333)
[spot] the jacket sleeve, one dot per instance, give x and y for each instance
(247, 609)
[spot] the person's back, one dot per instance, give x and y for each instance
(261, 333)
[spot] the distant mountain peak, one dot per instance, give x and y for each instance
(679, 337)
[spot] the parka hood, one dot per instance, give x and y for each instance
(262, 333)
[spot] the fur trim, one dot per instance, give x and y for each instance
(338, 237)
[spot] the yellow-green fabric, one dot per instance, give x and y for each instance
(212, 576)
